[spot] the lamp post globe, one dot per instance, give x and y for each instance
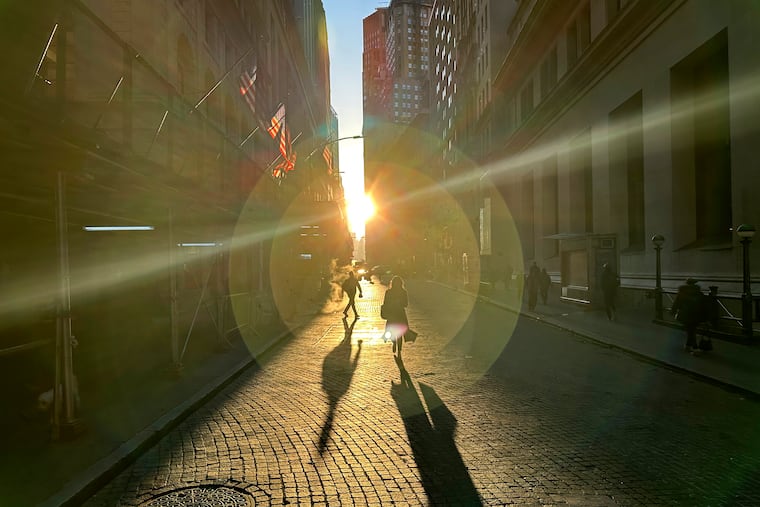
(745, 231)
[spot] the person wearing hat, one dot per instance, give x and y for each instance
(688, 311)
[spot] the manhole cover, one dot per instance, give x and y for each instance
(201, 496)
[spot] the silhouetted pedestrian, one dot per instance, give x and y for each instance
(350, 286)
(394, 312)
(609, 283)
(711, 313)
(688, 309)
(533, 282)
(544, 281)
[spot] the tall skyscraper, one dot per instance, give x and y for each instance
(375, 77)
(408, 57)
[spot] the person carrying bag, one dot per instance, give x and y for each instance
(393, 311)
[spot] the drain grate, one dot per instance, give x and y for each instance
(201, 496)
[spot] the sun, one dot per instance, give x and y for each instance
(359, 209)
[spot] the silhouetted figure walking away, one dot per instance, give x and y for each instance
(545, 282)
(609, 282)
(688, 309)
(394, 312)
(533, 283)
(350, 286)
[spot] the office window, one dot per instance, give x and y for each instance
(550, 206)
(613, 8)
(528, 238)
(549, 72)
(581, 185)
(572, 45)
(578, 36)
(626, 152)
(702, 141)
(584, 29)
(526, 100)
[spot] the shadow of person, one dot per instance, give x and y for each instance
(337, 372)
(442, 470)
(406, 379)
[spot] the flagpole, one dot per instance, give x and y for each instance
(113, 94)
(41, 60)
(229, 71)
(219, 155)
(329, 142)
(248, 137)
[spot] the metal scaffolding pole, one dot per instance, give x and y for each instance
(65, 390)
(174, 317)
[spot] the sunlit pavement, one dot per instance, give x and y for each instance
(319, 423)
(552, 421)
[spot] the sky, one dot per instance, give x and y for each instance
(344, 37)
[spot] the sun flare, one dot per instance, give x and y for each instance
(359, 209)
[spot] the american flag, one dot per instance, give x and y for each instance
(276, 121)
(285, 166)
(247, 88)
(327, 154)
(288, 162)
(285, 142)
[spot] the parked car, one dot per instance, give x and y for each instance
(383, 274)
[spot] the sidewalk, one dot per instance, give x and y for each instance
(734, 365)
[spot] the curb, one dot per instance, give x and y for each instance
(595, 338)
(86, 484)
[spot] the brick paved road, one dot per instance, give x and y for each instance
(552, 420)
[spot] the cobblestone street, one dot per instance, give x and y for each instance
(553, 420)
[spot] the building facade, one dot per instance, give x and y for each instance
(156, 116)
(375, 76)
(613, 121)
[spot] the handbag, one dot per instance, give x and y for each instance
(383, 312)
(410, 336)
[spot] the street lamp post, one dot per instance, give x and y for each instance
(331, 141)
(658, 240)
(746, 231)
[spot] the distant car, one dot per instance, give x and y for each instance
(361, 270)
(383, 274)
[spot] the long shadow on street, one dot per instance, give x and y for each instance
(337, 372)
(443, 473)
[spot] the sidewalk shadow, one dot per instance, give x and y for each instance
(337, 371)
(443, 473)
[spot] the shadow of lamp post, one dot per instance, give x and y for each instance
(657, 241)
(746, 231)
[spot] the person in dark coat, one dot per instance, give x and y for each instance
(533, 283)
(544, 282)
(350, 286)
(394, 312)
(609, 283)
(688, 310)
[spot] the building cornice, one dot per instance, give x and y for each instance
(607, 50)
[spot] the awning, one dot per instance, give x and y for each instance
(568, 235)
